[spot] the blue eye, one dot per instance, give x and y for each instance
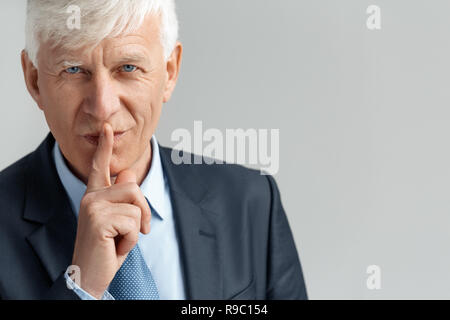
(129, 68)
(73, 70)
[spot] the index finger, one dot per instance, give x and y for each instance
(99, 176)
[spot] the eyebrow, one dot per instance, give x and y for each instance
(69, 64)
(131, 57)
(128, 58)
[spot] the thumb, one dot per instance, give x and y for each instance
(125, 176)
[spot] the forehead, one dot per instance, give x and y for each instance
(141, 42)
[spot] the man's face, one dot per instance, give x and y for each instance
(124, 81)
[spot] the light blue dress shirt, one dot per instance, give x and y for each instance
(160, 247)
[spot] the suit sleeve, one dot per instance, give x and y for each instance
(284, 276)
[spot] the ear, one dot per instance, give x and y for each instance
(31, 77)
(173, 70)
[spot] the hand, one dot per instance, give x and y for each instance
(109, 221)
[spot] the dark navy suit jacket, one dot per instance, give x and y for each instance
(233, 234)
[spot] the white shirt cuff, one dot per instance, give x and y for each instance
(83, 294)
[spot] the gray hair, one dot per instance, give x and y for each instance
(47, 20)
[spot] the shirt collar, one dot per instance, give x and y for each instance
(154, 186)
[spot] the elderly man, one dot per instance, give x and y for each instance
(75, 214)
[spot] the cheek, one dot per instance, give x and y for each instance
(60, 119)
(145, 109)
(60, 105)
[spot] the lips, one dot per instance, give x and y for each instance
(93, 139)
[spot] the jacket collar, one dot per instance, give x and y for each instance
(197, 229)
(47, 203)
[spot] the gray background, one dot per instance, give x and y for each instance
(363, 118)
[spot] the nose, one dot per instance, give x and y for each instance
(102, 100)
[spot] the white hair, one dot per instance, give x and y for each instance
(100, 19)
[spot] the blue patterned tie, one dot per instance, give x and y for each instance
(134, 280)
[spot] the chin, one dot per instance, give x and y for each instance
(114, 170)
(116, 166)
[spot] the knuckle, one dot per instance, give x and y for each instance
(132, 224)
(136, 211)
(96, 225)
(86, 200)
(135, 189)
(94, 210)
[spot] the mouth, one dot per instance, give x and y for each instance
(93, 138)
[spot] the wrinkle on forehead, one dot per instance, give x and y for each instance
(147, 37)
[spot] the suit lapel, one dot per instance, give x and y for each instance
(47, 204)
(196, 229)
